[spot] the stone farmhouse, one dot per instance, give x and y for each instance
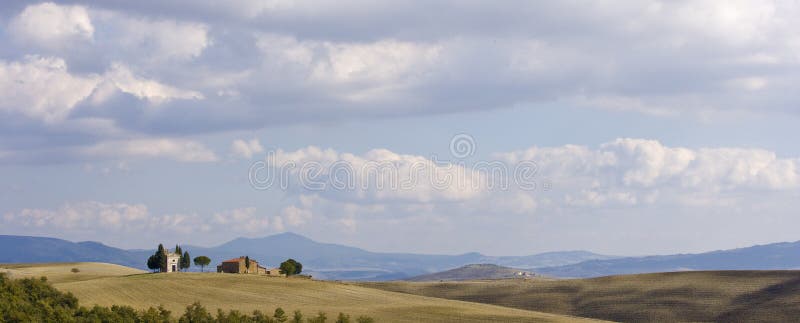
(239, 266)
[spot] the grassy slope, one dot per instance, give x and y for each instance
(740, 296)
(106, 284)
(62, 272)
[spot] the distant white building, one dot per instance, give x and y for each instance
(173, 262)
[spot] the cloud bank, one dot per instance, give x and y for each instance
(273, 63)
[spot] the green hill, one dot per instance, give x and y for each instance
(721, 296)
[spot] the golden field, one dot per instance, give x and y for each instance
(107, 285)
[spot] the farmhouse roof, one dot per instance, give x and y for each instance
(233, 260)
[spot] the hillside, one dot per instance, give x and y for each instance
(721, 296)
(785, 255)
(472, 272)
(250, 292)
(63, 272)
(323, 260)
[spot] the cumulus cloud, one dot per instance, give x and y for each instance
(51, 26)
(274, 63)
(163, 39)
(296, 216)
(377, 175)
(246, 148)
(42, 88)
(631, 173)
(83, 216)
(243, 220)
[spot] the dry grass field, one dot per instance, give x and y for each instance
(249, 292)
(62, 272)
(720, 296)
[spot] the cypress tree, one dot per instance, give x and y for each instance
(186, 262)
(161, 257)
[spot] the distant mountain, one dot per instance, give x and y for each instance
(473, 272)
(784, 255)
(333, 261)
(323, 260)
(17, 249)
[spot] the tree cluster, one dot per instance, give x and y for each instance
(35, 300)
(158, 261)
(198, 313)
(291, 267)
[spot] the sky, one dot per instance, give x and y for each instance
(624, 128)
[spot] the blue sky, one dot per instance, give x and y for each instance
(662, 127)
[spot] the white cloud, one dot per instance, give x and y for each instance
(246, 148)
(246, 220)
(630, 173)
(355, 71)
(176, 149)
(377, 175)
(296, 216)
(42, 88)
(155, 92)
(83, 216)
(51, 26)
(161, 39)
(636, 165)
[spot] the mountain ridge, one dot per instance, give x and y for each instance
(340, 262)
(778, 255)
(323, 260)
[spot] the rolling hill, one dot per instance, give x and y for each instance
(118, 285)
(785, 255)
(472, 272)
(700, 296)
(67, 271)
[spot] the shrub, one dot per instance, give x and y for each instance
(297, 317)
(320, 318)
(342, 318)
(155, 315)
(75, 270)
(196, 313)
(365, 319)
(280, 315)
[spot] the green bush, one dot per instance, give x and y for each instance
(35, 300)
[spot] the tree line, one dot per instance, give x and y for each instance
(35, 300)
(158, 261)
